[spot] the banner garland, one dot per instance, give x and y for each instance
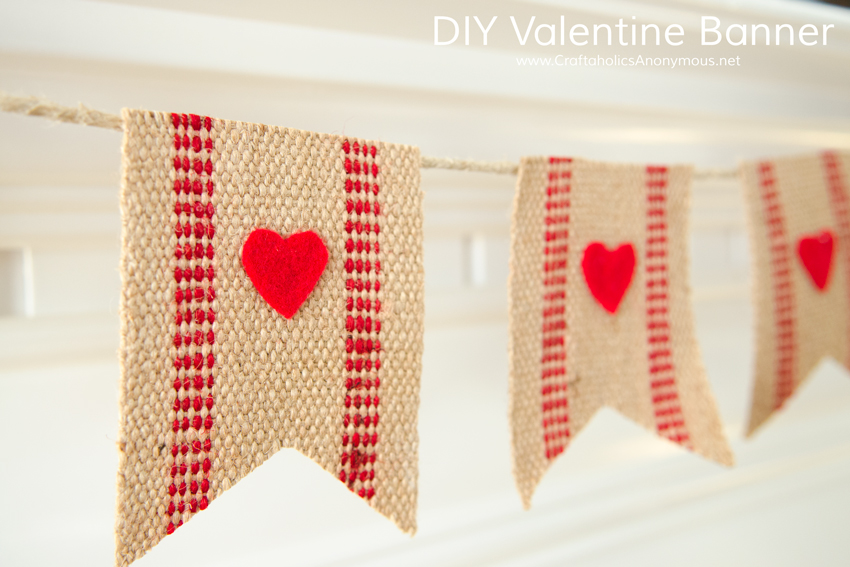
(273, 297)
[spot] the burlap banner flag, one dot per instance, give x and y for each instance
(799, 212)
(272, 297)
(600, 312)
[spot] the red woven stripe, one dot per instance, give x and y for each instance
(363, 305)
(836, 183)
(783, 293)
(194, 318)
(553, 373)
(669, 420)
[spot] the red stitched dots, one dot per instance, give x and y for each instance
(359, 438)
(665, 398)
(194, 331)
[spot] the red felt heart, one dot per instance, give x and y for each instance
(608, 273)
(284, 270)
(815, 253)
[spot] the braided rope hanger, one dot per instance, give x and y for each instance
(81, 114)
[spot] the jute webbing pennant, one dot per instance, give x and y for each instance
(799, 210)
(600, 312)
(272, 297)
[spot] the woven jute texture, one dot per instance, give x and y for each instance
(568, 355)
(797, 324)
(214, 381)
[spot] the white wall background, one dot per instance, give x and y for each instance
(618, 496)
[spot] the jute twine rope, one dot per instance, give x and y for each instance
(34, 106)
(505, 167)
